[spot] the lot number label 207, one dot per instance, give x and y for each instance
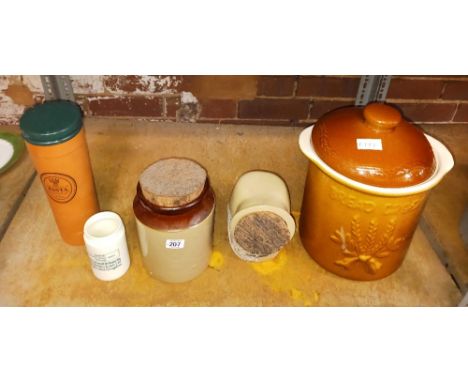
(175, 244)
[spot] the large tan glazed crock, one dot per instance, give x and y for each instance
(356, 230)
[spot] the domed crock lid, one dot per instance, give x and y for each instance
(374, 145)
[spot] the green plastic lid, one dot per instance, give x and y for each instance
(51, 122)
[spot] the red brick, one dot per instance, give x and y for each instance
(320, 107)
(20, 94)
(415, 89)
(126, 106)
(281, 86)
(220, 87)
(218, 108)
(427, 112)
(462, 113)
(149, 84)
(327, 86)
(456, 90)
(274, 109)
(82, 101)
(172, 105)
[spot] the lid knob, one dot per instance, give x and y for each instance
(382, 116)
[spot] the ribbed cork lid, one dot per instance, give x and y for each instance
(374, 145)
(261, 233)
(172, 182)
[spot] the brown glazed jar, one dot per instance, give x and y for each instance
(174, 211)
(368, 179)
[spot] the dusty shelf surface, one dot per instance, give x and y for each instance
(38, 269)
(13, 184)
(449, 200)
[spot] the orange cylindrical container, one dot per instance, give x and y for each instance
(57, 145)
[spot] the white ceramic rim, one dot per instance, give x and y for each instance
(444, 163)
(257, 198)
(114, 236)
(7, 151)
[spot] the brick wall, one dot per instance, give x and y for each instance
(269, 100)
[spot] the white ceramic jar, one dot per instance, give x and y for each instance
(104, 237)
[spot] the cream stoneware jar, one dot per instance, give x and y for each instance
(174, 210)
(259, 219)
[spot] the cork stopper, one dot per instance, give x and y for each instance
(261, 233)
(172, 182)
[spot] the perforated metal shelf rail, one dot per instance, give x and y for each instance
(372, 88)
(57, 87)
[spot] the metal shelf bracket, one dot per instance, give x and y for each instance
(57, 87)
(372, 88)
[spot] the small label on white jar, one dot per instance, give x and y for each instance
(106, 261)
(369, 144)
(175, 244)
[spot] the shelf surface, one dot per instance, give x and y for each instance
(38, 269)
